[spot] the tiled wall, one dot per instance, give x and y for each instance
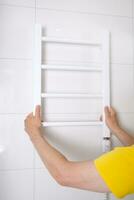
(22, 174)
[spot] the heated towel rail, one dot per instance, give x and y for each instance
(38, 66)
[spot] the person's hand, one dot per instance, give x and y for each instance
(33, 123)
(111, 119)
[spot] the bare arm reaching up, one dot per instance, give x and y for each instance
(104, 174)
(81, 175)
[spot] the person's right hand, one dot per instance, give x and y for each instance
(111, 118)
(33, 123)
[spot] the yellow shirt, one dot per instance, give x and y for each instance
(117, 169)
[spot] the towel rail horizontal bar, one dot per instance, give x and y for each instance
(69, 41)
(72, 68)
(90, 123)
(62, 95)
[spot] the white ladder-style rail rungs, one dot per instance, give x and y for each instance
(69, 41)
(72, 68)
(90, 123)
(65, 95)
(104, 47)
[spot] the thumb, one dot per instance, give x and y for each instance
(38, 111)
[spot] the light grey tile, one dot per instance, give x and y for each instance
(122, 88)
(114, 7)
(90, 27)
(126, 122)
(72, 82)
(72, 105)
(16, 185)
(16, 150)
(16, 35)
(71, 116)
(133, 7)
(16, 86)
(30, 3)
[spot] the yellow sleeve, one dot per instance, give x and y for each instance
(117, 169)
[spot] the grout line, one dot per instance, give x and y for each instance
(16, 169)
(132, 9)
(13, 113)
(91, 113)
(8, 58)
(133, 28)
(82, 12)
(35, 12)
(133, 38)
(34, 153)
(62, 10)
(15, 5)
(34, 175)
(22, 169)
(30, 59)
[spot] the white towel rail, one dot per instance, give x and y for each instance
(69, 41)
(65, 95)
(38, 66)
(91, 123)
(71, 68)
(104, 69)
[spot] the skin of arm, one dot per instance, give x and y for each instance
(82, 175)
(113, 124)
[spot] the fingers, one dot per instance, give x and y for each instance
(113, 112)
(29, 115)
(37, 114)
(107, 113)
(38, 111)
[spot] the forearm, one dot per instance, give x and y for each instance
(52, 158)
(125, 138)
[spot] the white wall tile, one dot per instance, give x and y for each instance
(74, 25)
(18, 2)
(16, 150)
(70, 116)
(133, 8)
(76, 143)
(16, 185)
(16, 86)
(16, 35)
(126, 122)
(72, 105)
(122, 88)
(75, 54)
(49, 188)
(72, 82)
(114, 7)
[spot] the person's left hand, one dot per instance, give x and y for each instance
(33, 123)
